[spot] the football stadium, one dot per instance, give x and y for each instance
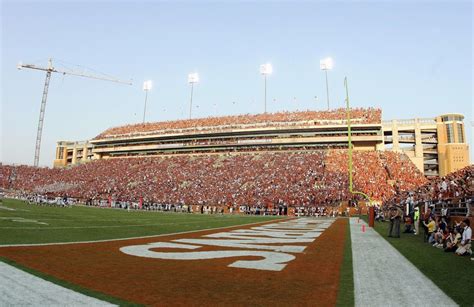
(219, 205)
(352, 203)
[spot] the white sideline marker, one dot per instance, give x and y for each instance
(384, 277)
(18, 288)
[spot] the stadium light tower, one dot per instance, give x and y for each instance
(192, 78)
(266, 69)
(147, 85)
(326, 64)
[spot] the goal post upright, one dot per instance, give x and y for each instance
(349, 143)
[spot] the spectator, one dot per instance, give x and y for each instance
(395, 217)
(454, 240)
(440, 231)
(465, 246)
(408, 224)
(431, 228)
(416, 221)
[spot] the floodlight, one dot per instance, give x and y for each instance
(266, 69)
(326, 64)
(147, 85)
(193, 78)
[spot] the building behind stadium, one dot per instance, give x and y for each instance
(437, 146)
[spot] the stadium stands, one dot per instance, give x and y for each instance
(336, 116)
(452, 195)
(263, 179)
(455, 185)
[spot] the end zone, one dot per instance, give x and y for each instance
(293, 261)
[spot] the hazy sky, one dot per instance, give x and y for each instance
(412, 59)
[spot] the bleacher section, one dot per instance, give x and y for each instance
(257, 179)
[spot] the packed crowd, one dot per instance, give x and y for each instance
(454, 186)
(379, 174)
(358, 115)
(264, 179)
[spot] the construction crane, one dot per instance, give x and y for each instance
(50, 69)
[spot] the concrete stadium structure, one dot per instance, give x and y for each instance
(437, 146)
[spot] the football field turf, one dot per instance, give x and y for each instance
(156, 258)
(178, 258)
(21, 223)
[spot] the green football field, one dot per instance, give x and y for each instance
(21, 223)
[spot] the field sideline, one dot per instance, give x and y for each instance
(449, 272)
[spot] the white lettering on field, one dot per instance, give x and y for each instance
(272, 244)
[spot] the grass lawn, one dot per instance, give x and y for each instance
(452, 274)
(345, 296)
(27, 224)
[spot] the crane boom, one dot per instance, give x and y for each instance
(49, 70)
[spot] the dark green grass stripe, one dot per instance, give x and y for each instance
(68, 285)
(79, 223)
(345, 295)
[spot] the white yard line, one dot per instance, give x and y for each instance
(184, 221)
(384, 277)
(142, 237)
(7, 208)
(18, 288)
(104, 226)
